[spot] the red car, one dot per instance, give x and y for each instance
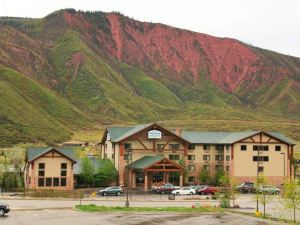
(207, 190)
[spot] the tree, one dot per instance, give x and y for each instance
(263, 197)
(107, 173)
(87, 171)
(230, 185)
(204, 176)
(292, 196)
(219, 173)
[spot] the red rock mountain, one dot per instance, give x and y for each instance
(110, 65)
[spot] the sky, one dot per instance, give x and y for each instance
(269, 24)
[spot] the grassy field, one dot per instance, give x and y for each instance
(94, 208)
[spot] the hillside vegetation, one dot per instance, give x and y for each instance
(74, 71)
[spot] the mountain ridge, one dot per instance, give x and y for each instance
(108, 68)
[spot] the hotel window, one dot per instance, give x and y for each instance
(159, 146)
(219, 157)
(261, 158)
(127, 146)
(41, 182)
(55, 181)
(191, 179)
(220, 147)
(218, 167)
(191, 167)
(174, 147)
(206, 147)
(227, 147)
(260, 169)
(206, 157)
(128, 156)
(41, 169)
(48, 182)
(227, 168)
(191, 146)
(278, 148)
(191, 157)
(244, 147)
(206, 167)
(261, 147)
(227, 157)
(63, 169)
(63, 182)
(174, 157)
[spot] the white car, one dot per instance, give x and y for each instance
(184, 191)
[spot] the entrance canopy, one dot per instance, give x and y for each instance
(155, 164)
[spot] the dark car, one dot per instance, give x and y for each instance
(116, 190)
(246, 187)
(206, 190)
(4, 209)
(166, 188)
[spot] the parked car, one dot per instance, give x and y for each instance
(268, 189)
(195, 187)
(246, 187)
(184, 191)
(206, 190)
(4, 209)
(166, 188)
(116, 190)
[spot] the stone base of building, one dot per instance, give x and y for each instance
(271, 180)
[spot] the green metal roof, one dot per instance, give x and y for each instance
(34, 153)
(145, 162)
(226, 137)
(119, 133)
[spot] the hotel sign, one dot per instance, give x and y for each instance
(154, 134)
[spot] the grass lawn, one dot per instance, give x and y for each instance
(94, 208)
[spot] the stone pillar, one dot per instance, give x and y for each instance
(232, 161)
(133, 180)
(168, 177)
(181, 180)
(146, 181)
(121, 165)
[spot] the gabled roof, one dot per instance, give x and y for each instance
(145, 162)
(118, 134)
(227, 137)
(34, 153)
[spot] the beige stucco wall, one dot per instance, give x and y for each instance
(52, 169)
(245, 166)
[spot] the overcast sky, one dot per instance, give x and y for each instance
(270, 24)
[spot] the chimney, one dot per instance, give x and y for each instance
(178, 131)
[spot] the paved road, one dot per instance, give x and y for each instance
(67, 217)
(246, 202)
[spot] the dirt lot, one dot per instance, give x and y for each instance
(67, 217)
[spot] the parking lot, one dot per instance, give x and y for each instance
(67, 217)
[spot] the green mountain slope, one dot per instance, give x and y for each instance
(29, 112)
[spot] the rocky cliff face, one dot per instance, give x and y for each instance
(107, 66)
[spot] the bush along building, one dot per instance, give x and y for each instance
(149, 153)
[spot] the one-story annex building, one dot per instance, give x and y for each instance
(150, 151)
